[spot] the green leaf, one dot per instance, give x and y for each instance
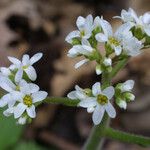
(9, 131)
(28, 146)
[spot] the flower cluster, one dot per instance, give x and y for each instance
(131, 37)
(123, 93)
(95, 100)
(128, 40)
(23, 95)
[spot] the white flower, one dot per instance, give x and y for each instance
(78, 93)
(26, 100)
(98, 103)
(11, 87)
(107, 62)
(125, 94)
(128, 16)
(5, 71)
(127, 86)
(22, 120)
(107, 36)
(122, 104)
(142, 22)
(85, 27)
(85, 49)
(25, 65)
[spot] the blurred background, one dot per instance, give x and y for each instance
(41, 25)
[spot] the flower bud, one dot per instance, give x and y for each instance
(98, 69)
(129, 96)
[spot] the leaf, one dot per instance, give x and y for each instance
(10, 132)
(28, 146)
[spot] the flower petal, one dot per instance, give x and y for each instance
(18, 75)
(25, 60)
(72, 35)
(88, 102)
(80, 63)
(96, 88)
(5, 71)
(4, 100)
(33, 87)
(127, 86)
(7, 84)
(8, 112)
(30, 71)
(72, 95)
(39, 96)
(19, 110)
(101, 37)
(98, 114)
(35, 58)
(80, 22)
(14, 60)
(31, 111)
(109, 92)
(110, 110)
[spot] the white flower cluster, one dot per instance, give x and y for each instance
(123, 93)
(97, 101)
(128, 40)
(22, 95)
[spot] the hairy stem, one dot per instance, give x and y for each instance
(127, 137)
(62, 100)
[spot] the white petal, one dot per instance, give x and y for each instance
(90, 109)
(8, 112)
(19, 110)
(72, 35)
(80, 22)
(39, 96)
(24, 87)
(118, 50)
(109, 92)
(25, 60)
(127, 86)
(122, 104)
(7, 84)
(18, 75)
(5, 71)
(31, 111)
(96, 88)
(4, 100)
(89, 102)
(14, 60)
(35, 58)
(107, 62)
(16, 95)
(146, 18)
(98, 114)
(110, 110)
(101, 37)
(147, 30)
(72, 95)
(30, 71)
(98, 69)
(22, 120)
(80, 63)
(33, 87)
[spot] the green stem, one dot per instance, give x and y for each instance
(62, 100)
(127, 137)
(118, 67)
(95, 140)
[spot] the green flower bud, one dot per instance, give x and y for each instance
(76, 41)
(129, 96)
